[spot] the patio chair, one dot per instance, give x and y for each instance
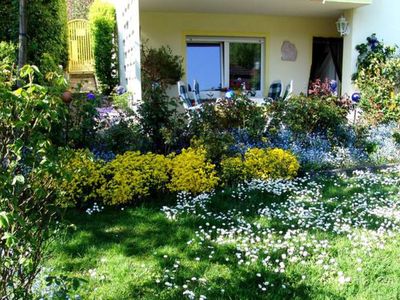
(184, 97)
(288, 91)
(196, 92)
(275, 90)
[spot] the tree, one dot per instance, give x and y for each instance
(22, 53)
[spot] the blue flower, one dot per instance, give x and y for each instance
(91, 96)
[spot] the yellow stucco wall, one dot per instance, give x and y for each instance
(171, 28)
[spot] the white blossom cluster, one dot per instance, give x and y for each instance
(283, 229)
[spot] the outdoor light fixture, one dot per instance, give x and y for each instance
(342, 26)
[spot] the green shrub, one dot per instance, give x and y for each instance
(82, 114)
(158, 113)
(47, 29)
(8, 53)
(102, 20)
(232, 170)
(82, 177)
(302, 114)
(216, 127)
(8, 59)
(270, 164)
(119, 137)
(133, 176)
(160, 66)
(378, 79)
(192, 172)
(28, 172)
(122, 101)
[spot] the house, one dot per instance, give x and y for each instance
(257, 41)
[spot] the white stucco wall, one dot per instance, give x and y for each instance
(382, 18)
(129, 45)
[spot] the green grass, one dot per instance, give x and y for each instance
(131, 249)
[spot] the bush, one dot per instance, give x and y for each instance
(82, 177)
(378, 78)
(82, 115)
(133, 176)
(192, 172)
(233, 171)
(382, 144)
(102, 20)
(302, 115)
(161, 66)
(28, 172)
(8, 59)
(225, 127)
(270, 164)
(158, 113)
(47, 29)
(8, 53)
(118, 131)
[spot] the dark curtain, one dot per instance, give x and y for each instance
(327, 59)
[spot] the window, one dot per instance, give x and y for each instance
(204, 65)
(225, 63)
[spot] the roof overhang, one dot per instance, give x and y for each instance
(301, 8)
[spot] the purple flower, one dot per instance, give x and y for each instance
(91, 96)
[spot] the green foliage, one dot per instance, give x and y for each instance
(8, 53)
(259, 164)
(303, 114)
(378, 78)
(9, 20)
(270, 164)
(214, 125)
(192, 172)
(102, 20)
(81, 121)
(372, 50)
(81, 179)
(161, 66)
(158, 113)
(133, 176)
(160, 119)
(122, 101)
(119, 137)
(226, 115)
(47, 29)
(8, 59)
(232, 170)
(28, 172)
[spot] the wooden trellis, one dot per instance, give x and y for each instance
(80, 50)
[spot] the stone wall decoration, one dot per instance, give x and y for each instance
(289, 51)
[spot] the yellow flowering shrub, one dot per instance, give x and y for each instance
(232, 169)
(192, 172)
(270, 164)
(82, 176)
(133, 175)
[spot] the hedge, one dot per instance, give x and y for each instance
(47, 29)
(103, 22)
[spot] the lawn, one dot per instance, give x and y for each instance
(329, 237)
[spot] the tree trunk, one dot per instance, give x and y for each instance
(22, 53)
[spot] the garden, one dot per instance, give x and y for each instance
(105, 198)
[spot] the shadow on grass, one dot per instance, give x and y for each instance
(144, 234)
